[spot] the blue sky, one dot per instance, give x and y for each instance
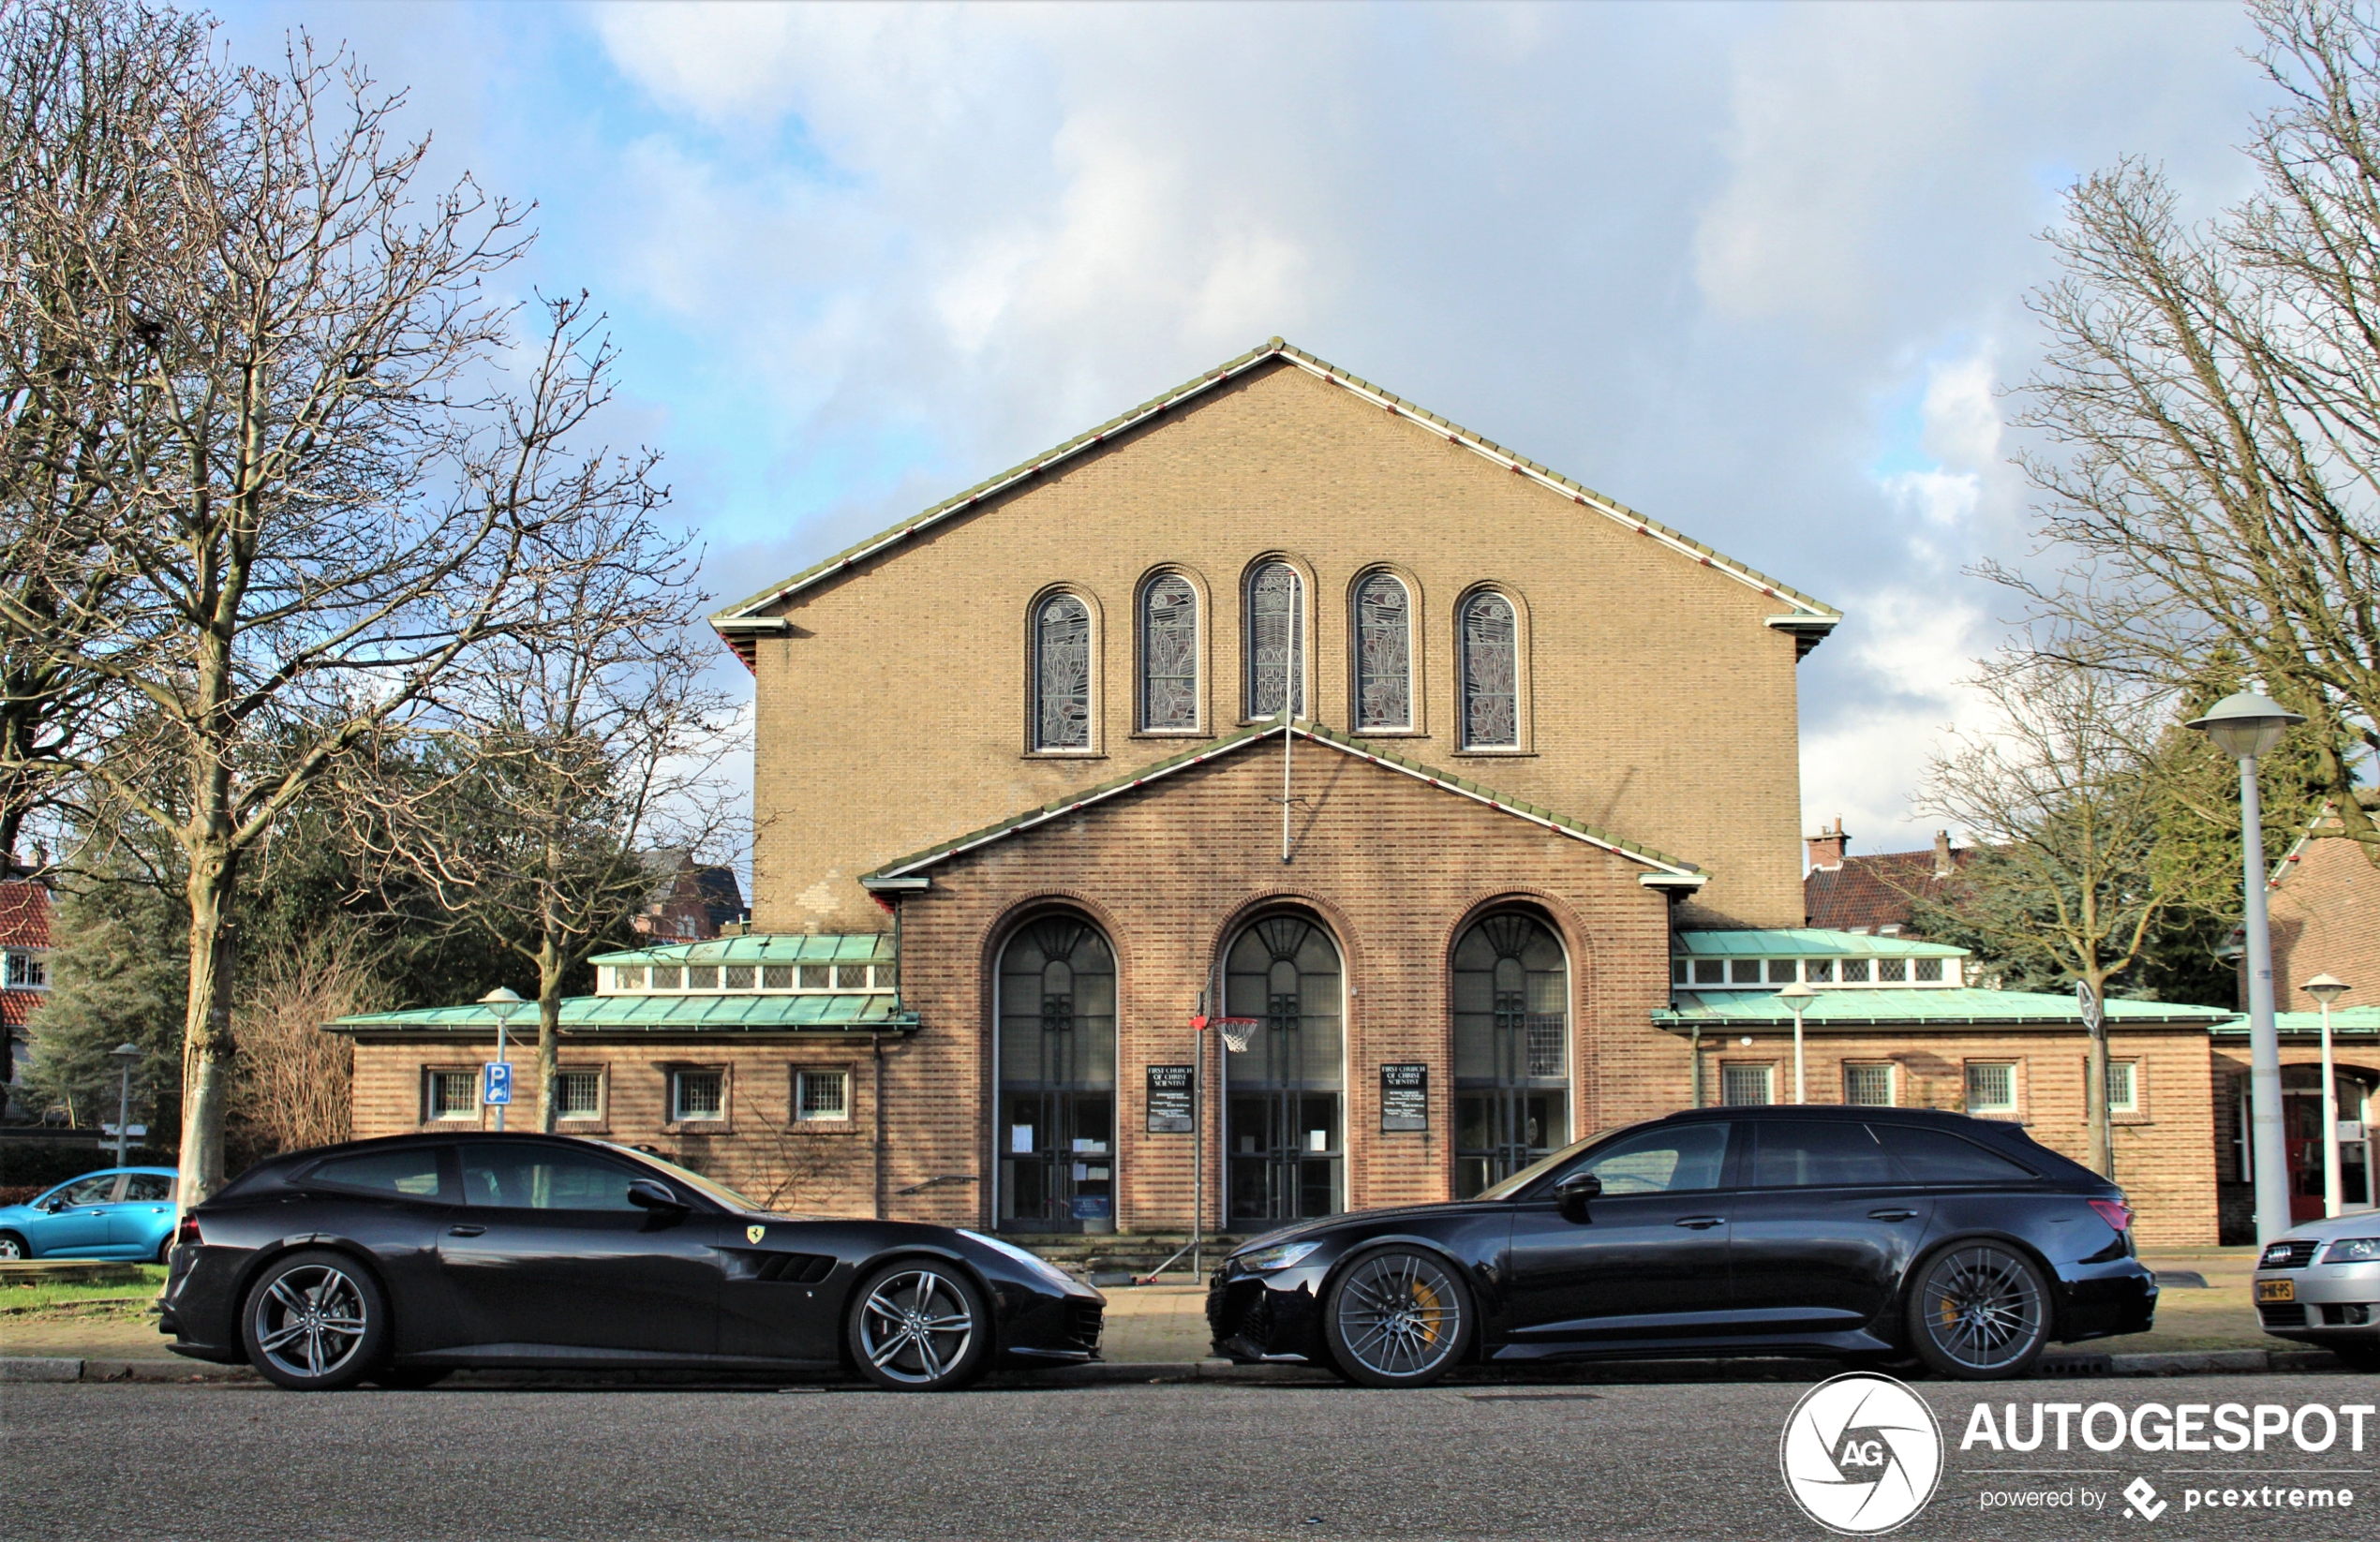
(1757, 270)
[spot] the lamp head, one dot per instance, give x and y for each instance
(127, 1053)
(501, 1001)
(2246, 726)
(1796, 993)
(2324, 988)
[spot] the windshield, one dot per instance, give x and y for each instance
(1539, 1168)
(719, 1194)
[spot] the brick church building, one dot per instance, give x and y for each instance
(1469, 794)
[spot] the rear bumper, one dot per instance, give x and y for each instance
(2103, 1300)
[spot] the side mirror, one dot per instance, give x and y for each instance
(53, 1206)
(1572, 1194)
(651, 1193)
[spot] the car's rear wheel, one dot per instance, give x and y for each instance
(315, 1321)
(919, 1326)
(1397, 1317)
(12, 1247)
(1979, 1311)
(165, 1249)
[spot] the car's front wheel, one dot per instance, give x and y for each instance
(920, 1327)
(1397, 1317)
(315, 1321)
(1979, 1311)
(12, 1247)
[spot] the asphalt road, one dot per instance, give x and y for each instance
(1188, 1460)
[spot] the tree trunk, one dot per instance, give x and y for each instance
(207, 1043)
(549, 1033)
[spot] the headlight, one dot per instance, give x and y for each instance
(1033, 1261)
(2354, 1249)
(1265, 1260)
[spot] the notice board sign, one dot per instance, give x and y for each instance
(1405, 1097)
(1172, 1092)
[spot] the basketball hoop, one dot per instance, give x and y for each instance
(1238, 1032)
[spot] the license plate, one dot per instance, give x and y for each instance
(2276, 1290)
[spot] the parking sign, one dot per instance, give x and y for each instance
(495, 1086)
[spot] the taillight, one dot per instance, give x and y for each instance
(187, 1232)
(2113, 1211)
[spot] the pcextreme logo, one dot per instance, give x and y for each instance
(1860, 1454)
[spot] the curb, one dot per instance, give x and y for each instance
(48, 1370)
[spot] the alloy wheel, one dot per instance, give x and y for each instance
(1400, 1315)
(311, 1321)
(915, 1326)
(1982, 1307)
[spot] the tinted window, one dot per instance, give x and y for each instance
(409, 1174)
(1798, 1155)
(85, 1191)
(544, 1177)
(1937, 1156)
(148, 1186)
(1670, 1161)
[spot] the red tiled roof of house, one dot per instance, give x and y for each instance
(24, 914)
(1868, 892)
(17, 1006)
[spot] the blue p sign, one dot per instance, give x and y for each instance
(496, 1087)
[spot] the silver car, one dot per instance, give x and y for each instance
(2320, 1284)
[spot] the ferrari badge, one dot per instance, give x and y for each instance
(753, 1234)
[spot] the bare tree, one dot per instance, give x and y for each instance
(2064, 799)
(294, 1080)
(317, 497)
(2212, 395)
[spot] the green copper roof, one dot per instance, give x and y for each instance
(694, 1012)
(1957, 1006)
(2343, 1020)
(777, 948)
(1804, 941)
(1805, 607)
(1366, 749)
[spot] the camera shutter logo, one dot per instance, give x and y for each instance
(1860, 1454)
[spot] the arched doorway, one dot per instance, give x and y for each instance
(1512, 996)
(1283, 1125)
(1056, 1125)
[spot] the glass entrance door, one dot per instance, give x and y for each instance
(1511, 993)
(2302, 1134)
(1283, 1115)
(1056, 1127)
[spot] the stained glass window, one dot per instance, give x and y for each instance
(1491, 673)
(1170, 654)
(1276, 642)
(1383, 654)
(1062, 674)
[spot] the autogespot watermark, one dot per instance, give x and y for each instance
(1861, 1454)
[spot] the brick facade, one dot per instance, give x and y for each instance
(2324, 908)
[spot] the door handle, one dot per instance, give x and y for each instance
(1702, 1222)
(465, 1231)
(1892, 1215)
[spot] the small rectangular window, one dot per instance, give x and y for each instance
(1892, 970)
(1678, 971)
(28, 969)
(1991, 1086)
(1747, 1086)
(817, 977)
(703, 977)
(1819, 972)
(740, 977)
(697, 1095)
(665, 976)
(452, 1094)
(2123, 1090)
(1854, 971)
(851, 977)
(777, 977)
(1780, 971)
(1929, 971)
(1745, 972)
(822, 1097)
(1868, 1086)
(628, 977)
(579, 1095)
(1710, 972)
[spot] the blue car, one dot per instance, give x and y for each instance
(124, 1213)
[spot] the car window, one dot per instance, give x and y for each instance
(96, 1190)
(544, 1177)
(410, 1173)
(147, 1187)
(1666, 1160)
(1937, 1156)
(1811, 1154)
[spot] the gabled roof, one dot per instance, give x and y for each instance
(1871, 891)
(1666, 872)
(1809, 620)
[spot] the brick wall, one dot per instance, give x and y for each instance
(2325, 920)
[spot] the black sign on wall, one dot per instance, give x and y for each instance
(1172, 1092)
(1405, 1097)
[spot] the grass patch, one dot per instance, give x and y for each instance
(15, 1298)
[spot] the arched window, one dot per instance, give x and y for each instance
(1383, 653)
(1169, 655)
(1282, 1124)
(1062, 674)
(1511, 1050)
(1491, 672)
(1276, 641)
(1056, 1127)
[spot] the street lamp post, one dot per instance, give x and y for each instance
(503, 1001)
(2245, 727)
(125, 1055)
(1797, 998)
(2327, 989)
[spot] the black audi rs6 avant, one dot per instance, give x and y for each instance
(1870, 1233)
(396, 1261)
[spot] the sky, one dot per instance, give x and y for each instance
(1759, 271)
